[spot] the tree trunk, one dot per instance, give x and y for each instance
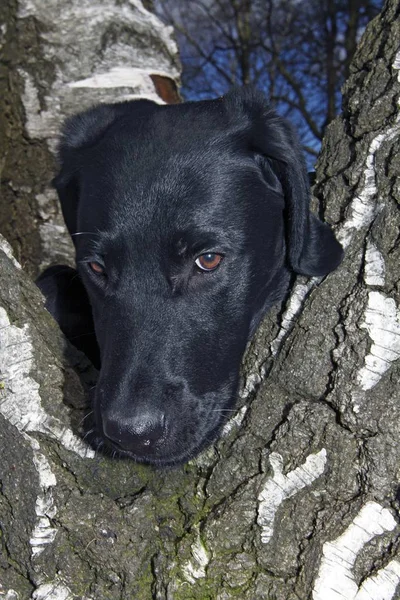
(300, 497)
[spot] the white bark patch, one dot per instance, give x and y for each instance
(365, 205)
(382, 321)
(20, 401)
(335, 580)
(20, 404)
(383, 585)
(196, 568)
(40, 123)
(280, 487)
(56, 243)
(70, 14)
(9, 595)
(8, 251)
(52, 591)
(292, 311)
(374, 272)
(3, 31)
(166, 32)
(236, 421)
(252, 381)
(130, 77)
(396, 65)
(45, 508)
(90, 63)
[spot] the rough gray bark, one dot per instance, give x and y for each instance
(300, 497)
(59, 57)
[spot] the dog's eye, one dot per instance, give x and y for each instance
(97, 268)
(209, 261)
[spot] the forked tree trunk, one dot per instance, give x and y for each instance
(300, 498)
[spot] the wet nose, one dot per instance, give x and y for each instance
(137, 433)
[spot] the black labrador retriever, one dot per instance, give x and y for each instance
(188, 222)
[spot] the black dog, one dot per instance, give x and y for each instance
(188, 221)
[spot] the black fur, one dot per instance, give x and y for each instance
(145, 189)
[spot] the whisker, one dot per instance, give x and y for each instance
(88, 433)
(84, 233)
(75, 337)
(85, 417)
(74, 277)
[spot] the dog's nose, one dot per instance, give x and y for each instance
(136, 433)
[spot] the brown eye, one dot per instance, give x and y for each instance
(209, 261)
(96, 268)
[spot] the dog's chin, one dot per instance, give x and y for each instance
(162, 457)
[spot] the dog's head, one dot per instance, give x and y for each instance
(188, 221)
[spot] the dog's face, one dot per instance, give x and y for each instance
(188, 221)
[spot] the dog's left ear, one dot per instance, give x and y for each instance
(79, 134)
(312, 247)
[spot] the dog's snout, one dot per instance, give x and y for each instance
(137, 433)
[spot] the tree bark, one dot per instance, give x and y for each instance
(300, 497)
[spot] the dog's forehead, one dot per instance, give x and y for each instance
(144, 186)
(176, 128)
(176, 171)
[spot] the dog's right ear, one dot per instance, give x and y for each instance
(78, 134)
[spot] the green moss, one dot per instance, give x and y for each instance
(143, 584)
